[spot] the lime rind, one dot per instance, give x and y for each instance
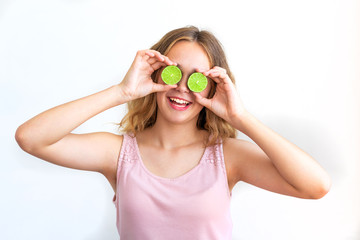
(197, 82)
(171, 75)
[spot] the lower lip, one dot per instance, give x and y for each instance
(176, 107)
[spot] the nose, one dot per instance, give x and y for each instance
(182, 85)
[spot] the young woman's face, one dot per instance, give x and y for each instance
(178, 105)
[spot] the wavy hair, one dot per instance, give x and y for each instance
(142, 111)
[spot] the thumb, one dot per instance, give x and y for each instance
(162, 87)
(203, 101)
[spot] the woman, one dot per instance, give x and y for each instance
(174, 168)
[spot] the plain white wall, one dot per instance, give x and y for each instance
(296, 65)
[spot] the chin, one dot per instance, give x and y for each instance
(178, 118)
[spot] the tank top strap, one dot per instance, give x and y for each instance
(215, 155)
(128, 153)
(127, 157)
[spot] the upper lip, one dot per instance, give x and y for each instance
(180, 98)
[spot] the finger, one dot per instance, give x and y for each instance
(208, 72)
(169, 62)
(216, 69)
(161, 57)
(220, 69)
(158, 65)
(157, 87)
(201, 70)
(149, 53)
(152, 60)
(152, 53)
(155, 54)
(203, 101)
(215, 79)
(214, 76)
(225, 78)
(221, 76)
(166, 61)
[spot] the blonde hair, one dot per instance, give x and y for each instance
(142, 111)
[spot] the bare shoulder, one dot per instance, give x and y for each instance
(113, 143)
(237, 148)
(234, 143)
(236, 153)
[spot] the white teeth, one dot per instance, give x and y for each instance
(179, 101)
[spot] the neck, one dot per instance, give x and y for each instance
(171, 135)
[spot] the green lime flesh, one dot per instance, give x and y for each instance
(197, 82)
(171, 75)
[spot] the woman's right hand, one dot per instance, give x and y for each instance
(137, 81)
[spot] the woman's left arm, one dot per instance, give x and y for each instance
(289, 162)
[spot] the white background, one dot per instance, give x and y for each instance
(296, 65)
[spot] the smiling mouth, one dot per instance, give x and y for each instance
(179, 104)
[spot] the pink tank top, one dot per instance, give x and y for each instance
(195, 205)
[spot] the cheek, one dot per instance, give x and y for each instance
(159, 96)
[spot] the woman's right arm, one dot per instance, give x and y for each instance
(48, 135)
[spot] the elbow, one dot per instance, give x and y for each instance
(322, 189)
(319, 194)
(22, 138)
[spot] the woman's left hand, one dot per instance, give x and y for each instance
(226, 102)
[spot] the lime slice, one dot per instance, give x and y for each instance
(171, 75)
(197, 82)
